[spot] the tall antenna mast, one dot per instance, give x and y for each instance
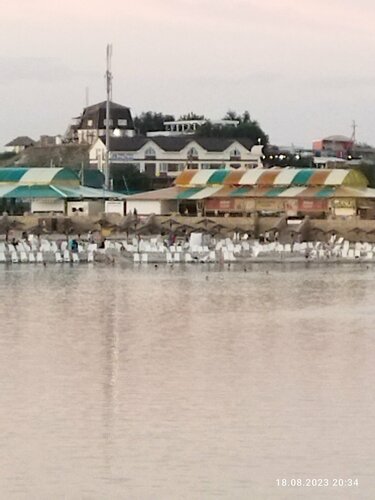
(354, 131)
(108, 76)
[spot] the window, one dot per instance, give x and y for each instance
(110, 122)
(192, 153)
(163, 168)
(89, 123)
(150, 153)
(122, 122)
(235, 153)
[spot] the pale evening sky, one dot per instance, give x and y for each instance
(303, 68)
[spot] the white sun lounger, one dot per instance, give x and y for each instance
(58, 257)
(23, 257)
(188, 258)
(136, 258)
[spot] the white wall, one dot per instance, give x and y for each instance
(114, 207)
(85, 207)
(248, 158)
(47, 205)
(148, 207)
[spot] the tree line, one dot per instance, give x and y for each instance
(151, 121)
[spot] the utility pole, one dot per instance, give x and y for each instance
(354, 131)
(108, 76)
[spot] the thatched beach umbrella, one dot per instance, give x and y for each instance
(357, 234)
(206, 222)
(105, 223)
(184, 230)
(76, 225)
(7, 225)
(128, 223)
(218, 228)
(170, 223)
(318, 233)
(151, 226)
(370, 234)
(38, 229)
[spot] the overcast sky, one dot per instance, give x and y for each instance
(303, 68)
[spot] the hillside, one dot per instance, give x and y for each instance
(67, 155)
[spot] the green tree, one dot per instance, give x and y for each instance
(128, 179)
(246, 128)
(192, 116)
(150, 121)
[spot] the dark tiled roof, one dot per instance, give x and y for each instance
(126, 143)
(172, 143)
(22, 140)
(103, 105)
(175, 143)
(96, 114)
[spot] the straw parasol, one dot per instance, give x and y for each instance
(7, 224)
(217, 228)
(317, 233)
(357, 234)
(205, 221)
(76, 225)
(105, 223)
(170, 222)
(151, 226)
(183, 230)
(128, 223)
(38, 229)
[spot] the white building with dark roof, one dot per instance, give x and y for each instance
(19, 144)
(167, 156)
(92, 123)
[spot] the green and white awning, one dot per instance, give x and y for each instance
(28, 183)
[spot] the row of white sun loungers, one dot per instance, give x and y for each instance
(43, 252)
(41, 257)
(154, 250)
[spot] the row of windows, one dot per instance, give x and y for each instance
(120, 122)
(192, 154)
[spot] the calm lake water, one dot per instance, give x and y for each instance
(186, 382)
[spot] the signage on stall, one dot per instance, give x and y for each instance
(344, 203)
(313, 205)
(220, 204)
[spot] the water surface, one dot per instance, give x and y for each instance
(186, 382)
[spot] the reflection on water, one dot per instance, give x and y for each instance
(191, 383)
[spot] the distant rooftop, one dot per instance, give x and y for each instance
(22, 140)
(337, 138)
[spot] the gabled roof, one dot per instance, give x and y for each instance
(94, 116)
(126, 143)
(175, 143)
(103, 105)
(22, 140)
(274, 177)
(337, 138)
